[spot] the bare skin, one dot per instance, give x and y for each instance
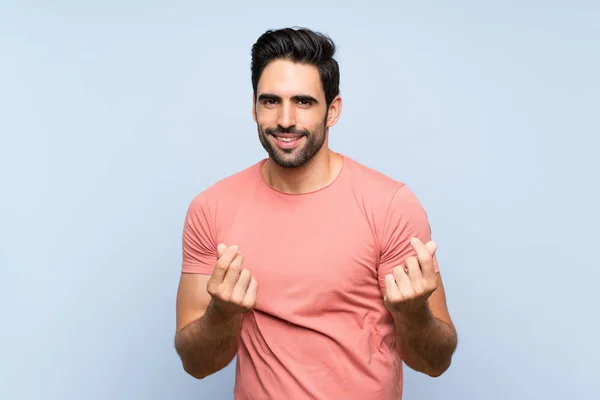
(289, 96)
(210, 311)
(426, 335)
(414, 294)
(290, 83)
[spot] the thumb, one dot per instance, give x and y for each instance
(431, 247)
(221, 250)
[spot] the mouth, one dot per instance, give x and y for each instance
(287, 141)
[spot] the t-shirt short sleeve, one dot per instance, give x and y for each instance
(199, 247)
(405, 218)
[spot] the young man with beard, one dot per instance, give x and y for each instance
(318, 272)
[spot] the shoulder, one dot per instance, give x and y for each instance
(373, 186)
(386, 197)
(227, 191)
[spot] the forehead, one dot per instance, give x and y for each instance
(287, 78)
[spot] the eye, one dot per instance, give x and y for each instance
(269, 102)
(304, 102)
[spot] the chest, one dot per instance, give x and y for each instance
(306, 259)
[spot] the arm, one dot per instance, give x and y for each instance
(214, 292)
(206, 341)
(425, 336)
(210, 311)
(412, 287)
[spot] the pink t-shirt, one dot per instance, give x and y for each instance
(320, 329)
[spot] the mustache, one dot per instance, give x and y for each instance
(291, 129)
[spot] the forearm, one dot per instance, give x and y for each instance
(208, 344)
(425, 343)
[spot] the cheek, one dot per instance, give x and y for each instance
(266, 118)
(309, 119)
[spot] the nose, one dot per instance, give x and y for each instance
(287, 115)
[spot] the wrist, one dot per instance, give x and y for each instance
(219, 315)
(416, 318)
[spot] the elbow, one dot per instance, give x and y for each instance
(194, 372)
(197, 375)
(188, 366)
(442, 363)
(191, 368)
(438, 370)
(431, 368)
(436, 373)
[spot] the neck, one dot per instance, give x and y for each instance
(319, 172)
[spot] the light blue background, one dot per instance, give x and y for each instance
(114, 114)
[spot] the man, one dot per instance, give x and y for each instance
(318, 272)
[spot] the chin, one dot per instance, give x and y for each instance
(287, 160)
(287, 164)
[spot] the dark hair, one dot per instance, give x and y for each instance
(299, 45)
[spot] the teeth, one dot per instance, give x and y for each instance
(287, 139)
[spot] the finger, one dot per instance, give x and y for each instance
(431, 247)
(233, 272)
(239, 291)
(222, 265)
(251, 294)
(414, 271)
(424, 256)
(221, 250)
(392, 293)
(403, 282)
(420, 248)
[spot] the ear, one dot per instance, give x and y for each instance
(335, 111)
(254, 107)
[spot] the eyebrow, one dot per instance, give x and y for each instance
(299, 97)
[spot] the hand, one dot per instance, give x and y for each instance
(409, 286)
(233, 289)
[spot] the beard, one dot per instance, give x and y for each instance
(299, 155)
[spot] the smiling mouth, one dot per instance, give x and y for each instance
(287, 138)
(287, 141)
